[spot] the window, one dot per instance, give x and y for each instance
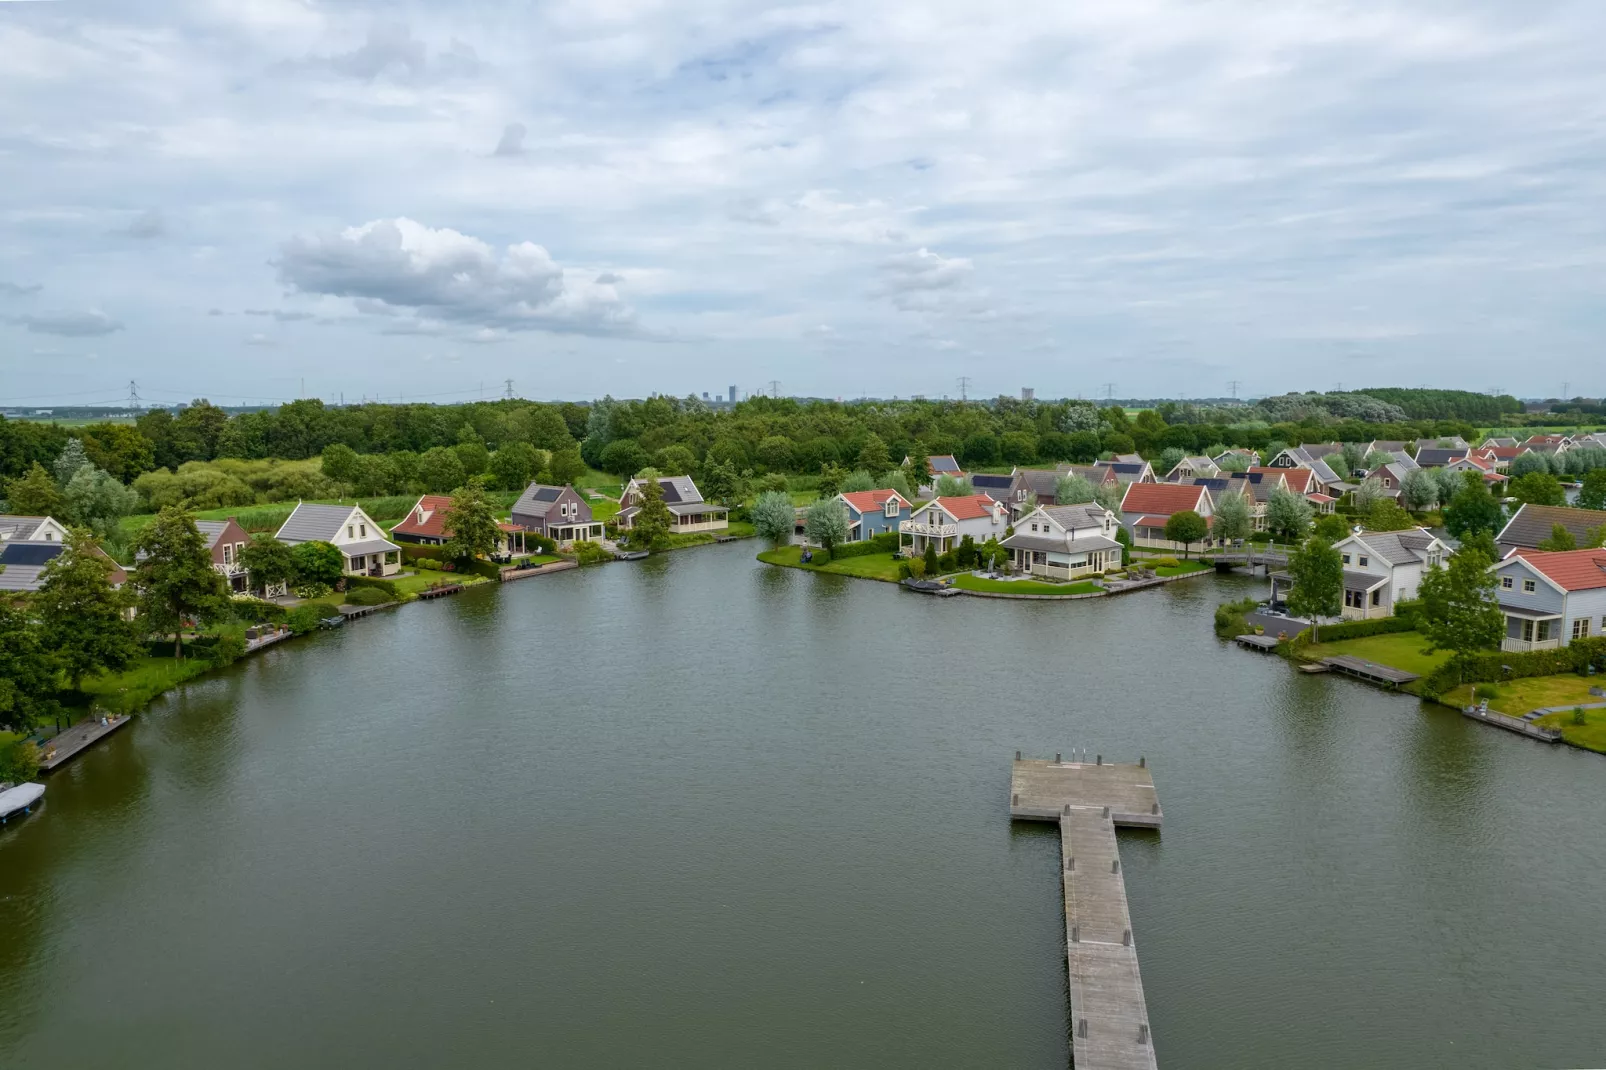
(890, 508)
(1362, 561)
(1034, 527)
(228, 558)
(364, 529)
(1377, 596)
(1354, 599)
(1581, 628)
(1527, 586)
(1505, 583)
(349, 535)
(1542, 631)
(1346, 559)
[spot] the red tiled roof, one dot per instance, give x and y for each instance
(1500, 453)
(1161, 498)
(1573, 570)
(1322, 498)
(869, 501)
(1299, 480)
(434, 505)
(972, 507)
(1483, 464)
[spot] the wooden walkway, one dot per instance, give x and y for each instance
(1370, 671)
(1266, 643)
(1110, 1017)
(509, 574)
(63, 747)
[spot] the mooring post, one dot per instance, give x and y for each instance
(1143, 763)
(1014, 800)
(1067, 809)
(1143, 1033)
(1155, 810)
(1076, 934)
(1100, 761)
(1126, 937)
(1017, 756)
(1115, 865)
(1081, 1028)
(1056, 757)
(1106, 811)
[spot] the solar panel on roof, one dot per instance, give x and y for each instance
(29, 553)
(671, 492)
(548, 494)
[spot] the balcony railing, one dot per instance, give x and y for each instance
(1521, 646)
(936, 531)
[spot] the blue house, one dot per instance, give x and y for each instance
(873, 512)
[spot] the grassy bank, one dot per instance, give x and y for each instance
(1400, 650)
(738, 529)
(967, 582)
(869, 567)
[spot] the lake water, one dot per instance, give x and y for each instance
(701, 812)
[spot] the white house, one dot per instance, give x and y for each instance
(1385, 568)
(1190, 468)
(944, 522)
(1062, 542)
(1146, 507)
(31, 529)
(351, 531)
(1550, 599)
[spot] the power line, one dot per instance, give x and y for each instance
(775, 388)
(133, 394)
(964, 388)
(509, 383)
(1234, 385)
(1109, 391)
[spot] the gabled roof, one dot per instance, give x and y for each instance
(1530, 525)
(1304, 458)
(969, 507)
(537, 500)
(1127, 458)
(1386, 445)
(25, 561)
(678, 490)
(991, 481)
(315, 523)
(20, 527)
(1075, 517)
(1136, 470)
(1406, 547)
(1500, 453)
(1193, 464)
(1455, 441)
(1403, 459)
(427, 517)
(1498, 442)
(1162, 499)
(1571, 570)
(29, 552)
(1298, 480)
(870, 501)
(1437, 458)
(943, 464)
(216, 529)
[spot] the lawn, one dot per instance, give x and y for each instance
(409, 586)
(1517, 697)
(1183, 568)
(967, 582)
(142, 681)
(1590, 735)
(1401, 650)
(869, 566)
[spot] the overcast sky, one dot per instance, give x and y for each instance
(226, 197)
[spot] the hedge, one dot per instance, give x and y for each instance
(257, 611)
(368, 596)
(1492, 667)
(386, 587)
(884, 543)
(1359, 629)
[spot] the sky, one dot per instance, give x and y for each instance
(254, 200)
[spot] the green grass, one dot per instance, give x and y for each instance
(143, 681)
(1183, 568)
(1517, 697)
(1400, 650)
(965, 581)
(1590, 735)
(869, 567)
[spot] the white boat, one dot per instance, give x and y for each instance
(19, 800)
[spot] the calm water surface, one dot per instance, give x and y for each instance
(701, 812)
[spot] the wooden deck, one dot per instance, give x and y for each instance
(1370, 671)
(62, 748)
(353, 612)
(1266, 643)
(509, 574)
(1109, 1015)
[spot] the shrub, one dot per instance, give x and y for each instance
(1230, 618)
(1578, 656)
(1578, 716)
(385, 587)
(591, 553)
(1359, 629)
(302, 619)
(1164, 562)
(368, 596)
(229, 649)
(917, 568)
(884, 543)
(19, 761)
(311, 590)
(257, 611)
(904, 571)
(947, 562)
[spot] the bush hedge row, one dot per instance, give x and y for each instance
(1492, 667)
(884, 543)
(1359, 629)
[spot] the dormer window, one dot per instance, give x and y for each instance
(890, 508)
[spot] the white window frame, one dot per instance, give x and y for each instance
(1580, 627)
(1505, 583)
(1529, 586)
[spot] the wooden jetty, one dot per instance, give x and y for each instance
(67, 745)
(1264, 643)
(353, 612)
(509, 574)
(1520, 725)
(1110, 1018)
(1370, 671)
(442, 591)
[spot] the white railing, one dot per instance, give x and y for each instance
(914, 527)
(230, 569)
(1521, 646)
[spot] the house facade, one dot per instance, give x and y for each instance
(942, 523)
(1385, 568)
(559, 513)
(1062, 542)
(686, 506)
(1550, 599)
(23, 563)
(874, 512)
(1190, 468)
(361, 542)
(1146, 507)
(224, 540)
(1314, 457)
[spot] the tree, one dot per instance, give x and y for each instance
(773, 516)
(375, 473)
(723, 483)
(1169, 459)
(439, 470)
(96, 500)
(567, 467)
(317, 564)
(1317, 573)
(1560, 539)
(919, 466)
(856, 481)
(775, 453)
(653, 521)
(831, 477)
(34, 494)
(953, 487)
(1537, 488)
(69, 461)
(1472, 509)
(1368, 494)
(513, 465)
(624, 457)
(1110, 495)
(1529, 463)
(1235, 462)
(1593, 494)
(826, 522)
(339, 461)
(873, 455)
(1186, 527)
(1386, 515)
(82, 614)
(1124, 537)
(28, 668)
(898, 480)
(1420, 491)
(675, 460)
(1330, 526)
(1288, 514)
(476, 459)
(1072, 489)
(175, 577)
(1356, 456)
(1232, 519)
(470, 522)
(269, 562)
(928, 559)
(1459, 611)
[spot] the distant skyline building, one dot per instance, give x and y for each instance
(1028, 393)
(733, 395)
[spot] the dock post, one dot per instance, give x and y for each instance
(1070, 864)
(1014, 800)
(1155, 809)
(1143, 1033)
(1076, 934)
(1100, 761)
(1126, 937)
(1056, 757)
(1067, 809)
(1106, 811)
(1143, 763)
(1081, 1028)
(1017, 756)
(1115, 865)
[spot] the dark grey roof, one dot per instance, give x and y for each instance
(21, 578)
(692, 508)
(536, 500)
(1038, 481)
(19, 527)
(368, 546)
(23, 552)
(1361, 581)
(1398, 547)
(314, 523)
(992, 482)
(212, 529)
(1072, 517)
(1531, 524)
(1086, 544)
(1455, 441)
(943, 462)
(1437, 458)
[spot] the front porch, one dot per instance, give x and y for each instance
(1528, 630)
(378, 564)
(1048, 565)
(941, 537)
(567, 534)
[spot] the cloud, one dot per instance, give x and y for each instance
(445, 276)
(512, 143)
(260, 340)
(146, 226)
(12, 289)
(924, 281)
(70, 324)
(282, 315)
(215, 312)
(389, 46)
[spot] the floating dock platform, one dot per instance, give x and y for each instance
(1110, 1018)
(67, 745)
